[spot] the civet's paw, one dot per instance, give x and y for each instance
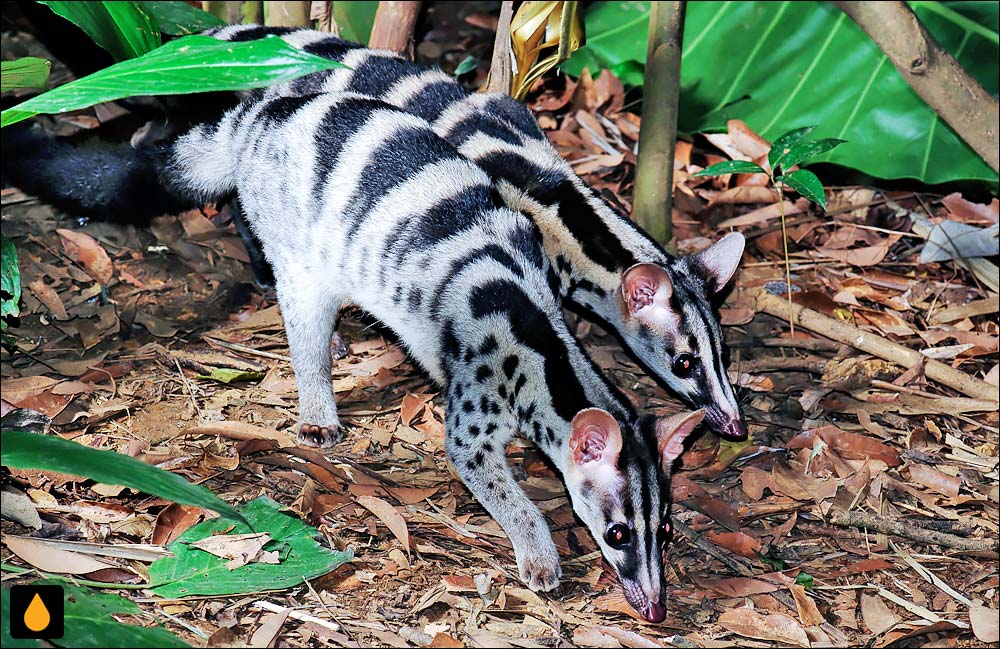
(318, 436)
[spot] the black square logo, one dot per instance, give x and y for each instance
(36, 612)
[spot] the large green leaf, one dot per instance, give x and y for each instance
(180, 18)
(189, 64)
(26, 72)
(355, 19)
(192, 571)
(782, 65)
(30, 451)
(10, 282)
(124, 29)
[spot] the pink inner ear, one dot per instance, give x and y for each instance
(640, 285)
(590, 447)
(595, 437)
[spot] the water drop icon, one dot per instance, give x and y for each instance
(36, 616)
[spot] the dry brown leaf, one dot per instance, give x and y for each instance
(628, 638)
(864, 256)
(267, 633)
(240, 549)
(17, 390)
(736, 586)
(388, 515)
(877, 616)
(853, 446)
(809, 614)
(48, 296)
(858, 567)
(84, 249)
(985, 621)
(738, 542)
(777, 627)
(49, 559)
(174, 520)
(412, 406)
(935, 480)
(970, 212)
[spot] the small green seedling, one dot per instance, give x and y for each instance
(787, 151)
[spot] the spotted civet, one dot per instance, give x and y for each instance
(661, 306)
(359, 202)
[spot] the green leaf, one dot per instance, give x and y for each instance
(125, 29)
(89, 622)
(468, 64)
(806, 150)
(189, 64)
(29, 451)
(806, 184)
(355, 19)
(26, 72)
(781, 145)
(195, 572)
(229, 375)
(180, 18)
(804, 579)
(10, 282)
(782, 65)
(731, 167)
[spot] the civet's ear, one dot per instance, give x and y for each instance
(595, 439)
(670, 435)
(646, 289)
(718, 262)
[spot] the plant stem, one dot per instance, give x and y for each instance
(654, 171)
(500, 76)
(788, 263)
(393, 27)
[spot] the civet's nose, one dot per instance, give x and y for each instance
(655, 612)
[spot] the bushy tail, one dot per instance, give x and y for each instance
(112, 182)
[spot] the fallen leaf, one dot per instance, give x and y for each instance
(985, 623)
(877, 616)
(776, 626)
(738, 542)
(809, 614)
(240, 549)
(84, 249)
(388, 515)
(49, 559)
(935, 480)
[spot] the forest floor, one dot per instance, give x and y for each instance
(781, 540)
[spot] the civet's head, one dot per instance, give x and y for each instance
(619, 483)
(670, 318)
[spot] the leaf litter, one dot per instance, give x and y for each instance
(119, 322)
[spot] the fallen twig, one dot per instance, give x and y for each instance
(876, 346)
(897, 527)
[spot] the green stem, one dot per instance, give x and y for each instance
(788, 263)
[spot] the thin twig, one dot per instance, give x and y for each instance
(890, 525)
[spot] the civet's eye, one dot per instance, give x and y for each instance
(618, 535)
(684, 365)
